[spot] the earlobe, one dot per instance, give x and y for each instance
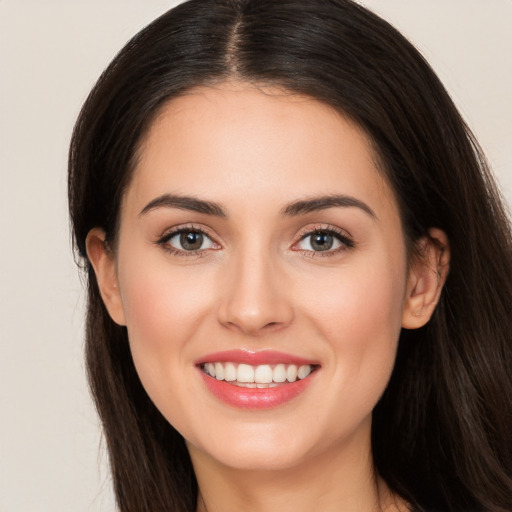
(103, 263)
(427, 275)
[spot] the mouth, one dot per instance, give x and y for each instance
(262, 376)
(256, 380)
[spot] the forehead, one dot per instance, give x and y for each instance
(241, 141)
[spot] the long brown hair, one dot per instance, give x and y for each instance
(442, 432)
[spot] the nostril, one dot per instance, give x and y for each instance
(253, 304)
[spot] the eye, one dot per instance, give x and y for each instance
(324, 240)
(187, 240)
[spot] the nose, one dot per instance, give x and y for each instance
(255, 299)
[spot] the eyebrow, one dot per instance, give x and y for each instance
(321, 203)
(184, 203)
(296, 208)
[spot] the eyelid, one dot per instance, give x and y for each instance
(343, 236)
(169, 233)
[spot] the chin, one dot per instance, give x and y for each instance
(254, 460)
(261, 447)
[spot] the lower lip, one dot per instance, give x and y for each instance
(255, 398)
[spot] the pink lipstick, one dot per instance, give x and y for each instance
(256, 380)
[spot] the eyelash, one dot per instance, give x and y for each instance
(164, 242)
(345, 241)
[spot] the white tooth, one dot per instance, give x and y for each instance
(246, 384)
(261, 386)
(230, 372)
(304, 371)
(291, 373)
(244, 373)
(273, 385)
(279, 373)
(210, 369)
(219, 371)
(263, 374)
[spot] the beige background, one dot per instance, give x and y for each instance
(51, 52)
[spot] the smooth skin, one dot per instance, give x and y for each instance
(331, 283)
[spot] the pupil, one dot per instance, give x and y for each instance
(191, 241)
(322, 241)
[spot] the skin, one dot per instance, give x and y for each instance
(256, 284)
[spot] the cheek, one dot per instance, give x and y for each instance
(359, 319)
(358, 298)
(163, 308)
(161, 299)
(367, 307)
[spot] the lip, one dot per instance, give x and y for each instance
(254, 358)
(255, 398)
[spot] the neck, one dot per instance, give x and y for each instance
(338, 481)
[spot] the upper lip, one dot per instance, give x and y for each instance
(254, 358)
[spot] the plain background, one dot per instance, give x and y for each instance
(51, 52)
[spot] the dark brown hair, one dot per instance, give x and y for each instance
(442, 432)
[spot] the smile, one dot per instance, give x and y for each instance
(256, 380)
(261, 376)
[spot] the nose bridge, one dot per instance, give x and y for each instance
(255, 298)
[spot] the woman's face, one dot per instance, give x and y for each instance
(257, 241)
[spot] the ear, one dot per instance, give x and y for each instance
(427, 275)
(103, 262)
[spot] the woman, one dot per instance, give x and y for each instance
(298, 269)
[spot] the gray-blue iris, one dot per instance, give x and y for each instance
(322, 241)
